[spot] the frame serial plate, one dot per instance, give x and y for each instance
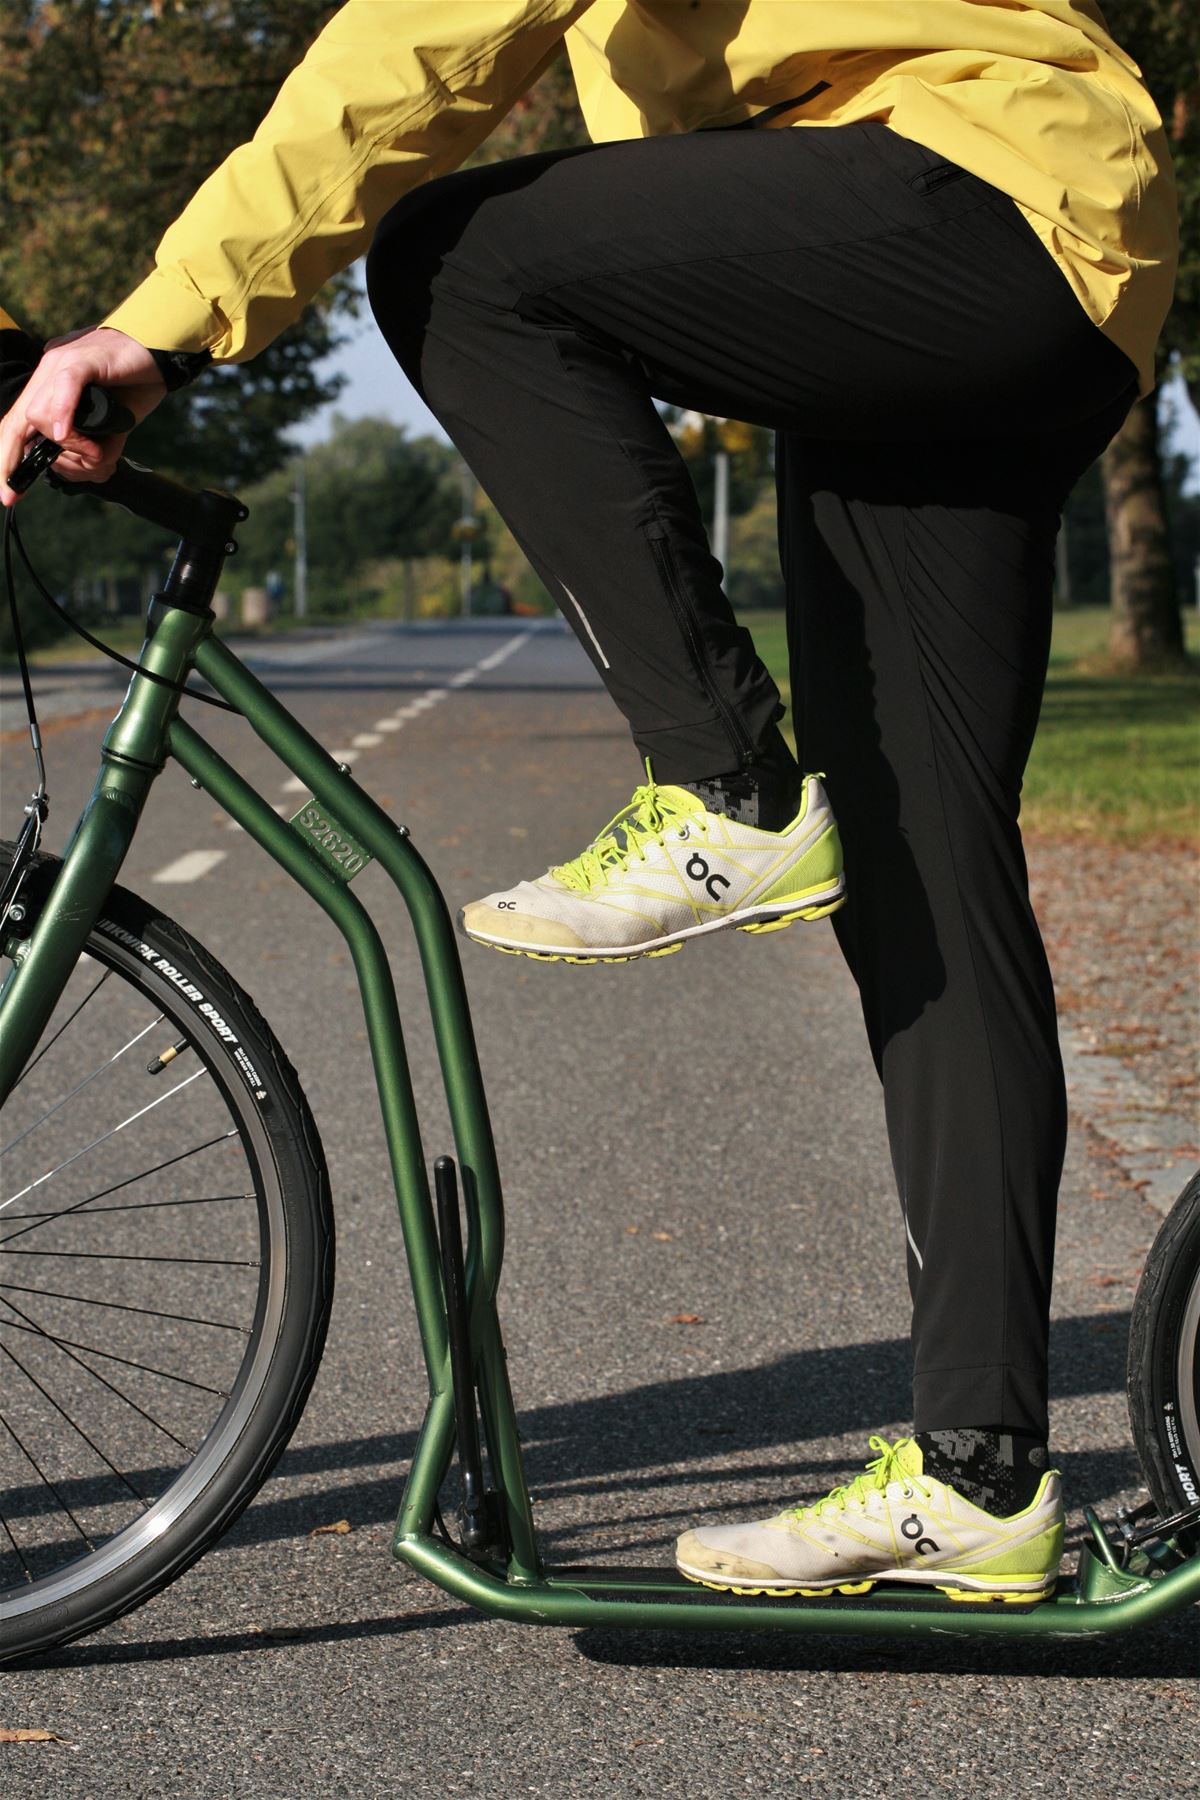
(342, 854)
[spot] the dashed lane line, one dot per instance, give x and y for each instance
(200, 862)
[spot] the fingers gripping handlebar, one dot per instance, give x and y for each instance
(98, 415)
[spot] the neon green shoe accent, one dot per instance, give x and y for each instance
(813, 873)
(652, 811)
(806, 912)
(1029, 1596)
(1037, 1554)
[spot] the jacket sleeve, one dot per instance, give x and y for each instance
(19, 355)
(391, 93)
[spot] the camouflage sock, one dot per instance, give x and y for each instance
(766, 794)
(998, 1470)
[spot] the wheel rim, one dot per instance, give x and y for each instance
(141, 1281)
(1188, 1375)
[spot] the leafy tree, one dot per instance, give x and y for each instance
(1147, 630)
(114, 112)
(374, 495)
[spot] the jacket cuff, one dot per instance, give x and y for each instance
(171, 317)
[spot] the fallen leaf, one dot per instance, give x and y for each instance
(28, 1735)
(687, 1318)
(339, 1528)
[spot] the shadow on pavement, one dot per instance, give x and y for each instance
(1153, 1652)
(625, 1443)
(620, 1444)
(236, 1643)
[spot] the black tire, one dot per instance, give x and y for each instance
(204, 1313)
(1164, 1362)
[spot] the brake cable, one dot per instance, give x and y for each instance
(96, 643)
(38, 807)
(39, 802)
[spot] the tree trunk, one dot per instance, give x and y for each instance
(1147, 627)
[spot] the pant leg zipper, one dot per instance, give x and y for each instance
(685, 619)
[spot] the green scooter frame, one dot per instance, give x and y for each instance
(496, 1565)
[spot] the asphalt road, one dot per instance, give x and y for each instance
(700, 1135)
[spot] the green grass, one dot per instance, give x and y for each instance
(1116, 756)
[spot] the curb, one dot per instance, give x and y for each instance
(1144, 1134)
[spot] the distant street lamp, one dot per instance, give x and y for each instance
(690, 431)
(465, 532)
(300, 534)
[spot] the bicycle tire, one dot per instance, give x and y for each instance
(1164, 1362)
(282, 1281)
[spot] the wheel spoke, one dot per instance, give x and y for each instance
(30, 1066)
(102, 1139)
(74, 1424)
(78, 1217)
(8, 1532)
(46, 1483)
(113, 1389)
(12, 1287)
(207, 1262)
(64, 1343)
(222, 1137)
(78, 1089)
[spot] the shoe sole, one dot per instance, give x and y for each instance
(818, 904)
(1041, 1587)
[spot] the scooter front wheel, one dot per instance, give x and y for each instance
(1164, 1362)
(166, 1268)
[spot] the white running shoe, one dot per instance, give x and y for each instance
(665, 870)
(892, 1523)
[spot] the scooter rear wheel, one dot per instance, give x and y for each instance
(1164, 1362)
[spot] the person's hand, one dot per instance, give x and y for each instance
(48, 402)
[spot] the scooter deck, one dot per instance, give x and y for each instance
(1098, 1602)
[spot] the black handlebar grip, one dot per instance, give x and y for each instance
(98, 415)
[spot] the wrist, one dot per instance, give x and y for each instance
(179, 367)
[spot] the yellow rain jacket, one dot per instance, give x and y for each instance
(1037, 99)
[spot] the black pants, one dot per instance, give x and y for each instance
(936, 389)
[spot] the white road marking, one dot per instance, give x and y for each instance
(505, 651)
(368, 740)
(191, 866)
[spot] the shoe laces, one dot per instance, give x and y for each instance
(651, 813)
(887, 1467)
